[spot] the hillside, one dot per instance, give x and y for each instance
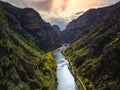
(23, 36)
(93, 51)
(95, 54)
(29, 21)
(57, 29)
(83, 24)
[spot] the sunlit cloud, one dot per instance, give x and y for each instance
(42, 5)
(63, 10)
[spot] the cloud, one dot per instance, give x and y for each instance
(64, 4)
(62, 22)
(78, 13)
(42, 5)
(61, 12)
(54, 6)
(59, 6)
(18, 3)
(74, 16)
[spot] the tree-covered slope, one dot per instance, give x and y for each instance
(84, 23)
(96, 55)
(22, 65)
(28, 20)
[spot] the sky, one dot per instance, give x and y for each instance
(61, 12)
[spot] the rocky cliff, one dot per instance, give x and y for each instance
(23, 37)
(96, 53)
(57, 29)
(28, 20)
(83, 24)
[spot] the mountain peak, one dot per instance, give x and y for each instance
(84, 23)
(30, 21)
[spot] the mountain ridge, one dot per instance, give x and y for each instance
(83, 24)
(22, 66)
(30, 21)
(95, 55)
(57, 29)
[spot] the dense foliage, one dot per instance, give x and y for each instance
(28, 22)
(96, 55)
(22, 65)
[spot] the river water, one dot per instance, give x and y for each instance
(65, 79)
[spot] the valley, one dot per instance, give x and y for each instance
(35, 55)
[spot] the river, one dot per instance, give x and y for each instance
(65, 79)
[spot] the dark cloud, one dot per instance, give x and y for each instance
(18, 3)
(74, 16)
(45, 6)
(78, 13)
(49, 5)
(41, 5)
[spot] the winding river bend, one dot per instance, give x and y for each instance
(65, 79)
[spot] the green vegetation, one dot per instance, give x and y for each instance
(94, 64)
(95, 56)
(22, 66)
(52, 65)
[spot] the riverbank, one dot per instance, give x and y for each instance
(78, 80)
(64, 76)
(51, 66)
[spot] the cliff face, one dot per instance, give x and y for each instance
(83, 24)
(57, 29)
(47, 38)
(28, 20)
(87, 19)
(23, 37)
(96, 54)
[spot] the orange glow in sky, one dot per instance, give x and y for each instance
(61, 12)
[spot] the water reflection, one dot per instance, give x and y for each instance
(65, 79)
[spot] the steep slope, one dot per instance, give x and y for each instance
(57, 29)
(96, 55)
(23, 65)
(82, 25)
(28, 20)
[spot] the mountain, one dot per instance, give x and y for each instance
(28, 20)
(82, 25)
(95, 54)
(23, 37)
(57, 29)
